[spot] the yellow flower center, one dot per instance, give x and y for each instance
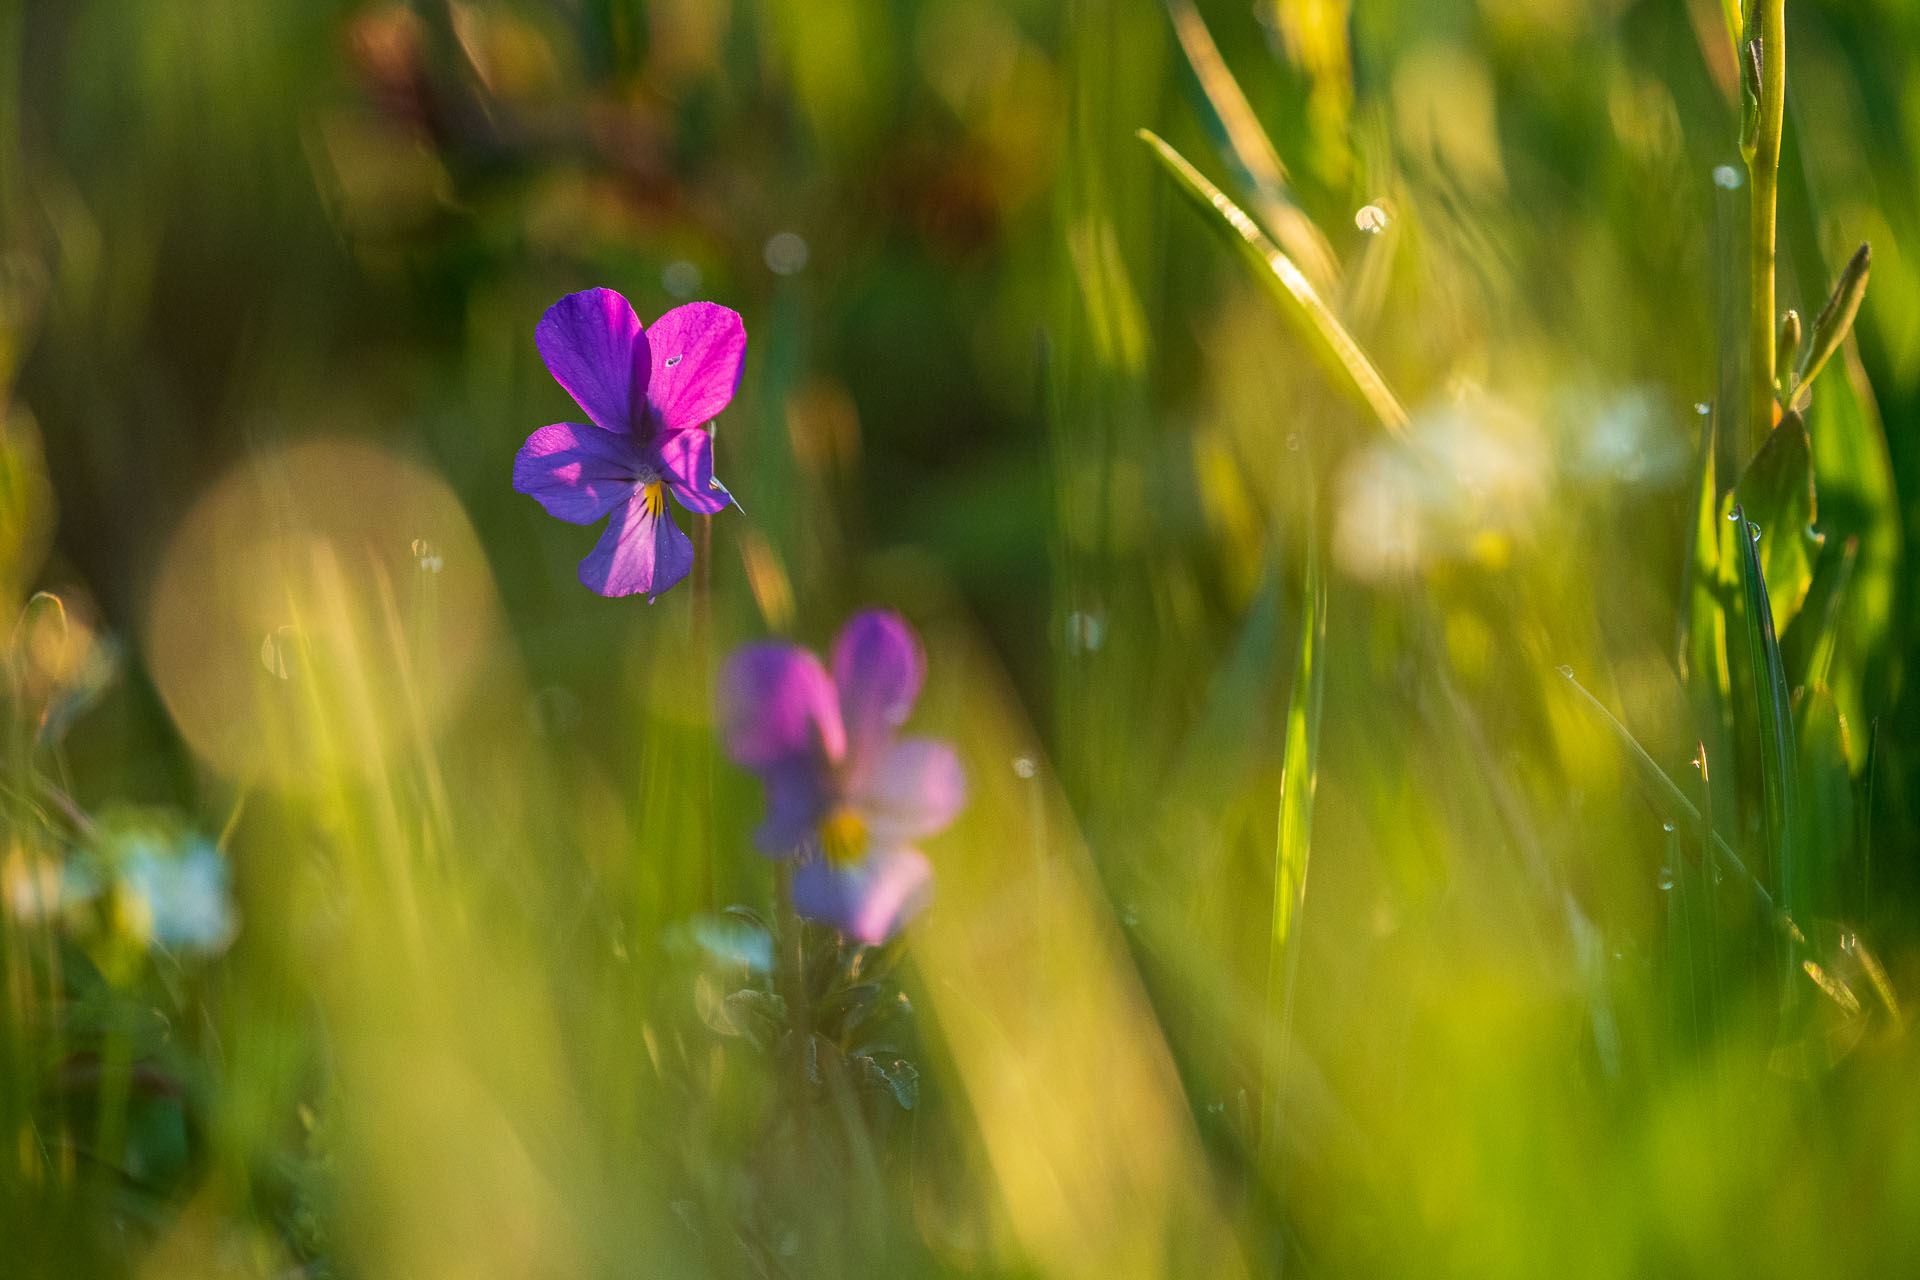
(654, 495)
(843, 837)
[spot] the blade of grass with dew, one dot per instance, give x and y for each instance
(1297, 299)
(1776, 489)
(1778, 771)
(1703, 613)
(1246, 145)
(1666, 796)
(1298, 774)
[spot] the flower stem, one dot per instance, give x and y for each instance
(1766, 46)
(791, 974)
(702, 644)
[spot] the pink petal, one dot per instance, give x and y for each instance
(697, 353)
(594, 347)
(578, 473)
(912, 791)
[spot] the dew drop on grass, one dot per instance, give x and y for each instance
(1371, 218)
(1293, 442)
(1022, 767)
(428, 556)
(1565, 671)
(1753, 531)
(1666, 878)
(1726, 177)
(274, 652)
(1667, 827)
(1702, 408)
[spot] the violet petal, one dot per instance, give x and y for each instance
(578, 473)
(686, 460)
(878, 667)
(642, 551)
(594, 346)
(777, 707)
(869, 901)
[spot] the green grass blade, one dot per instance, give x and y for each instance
(1247, 146)
(1777, 492)
(1666, 796)
(1293, 292)
(1298, 774)
(1778, 770)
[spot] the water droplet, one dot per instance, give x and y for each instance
(1371, 218)
(1293, 441)
(1130, 916)
(1667, 827)
(1666, 878)
(1726, 177)
(1022, 767)
(1216, 1108)
(681, 278)
(1733, 516)
(276, 652)
(1086, 632)
(1702, 408)
(1565, 671)
(785, 253)
(428, 556)
(674, 360)
(1753, 531)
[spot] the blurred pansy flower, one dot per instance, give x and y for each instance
(1467, 481)
(846, 795)
(175, 896)
(648, 394)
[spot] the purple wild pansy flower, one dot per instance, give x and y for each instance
(648, 394)
(846, 795)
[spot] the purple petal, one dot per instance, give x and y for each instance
(777, 708)
(594, 347)
(641, 551)
(912, 791)
(869, 901)
(796, 800)
(576, 472)
(878, 667)
(697, 353)
(686, 460)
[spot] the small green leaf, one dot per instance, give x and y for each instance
(1283, 281)
(1779, 773)
(1835, 320)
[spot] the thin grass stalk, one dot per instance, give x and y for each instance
(1298, 774)
(1766, 57)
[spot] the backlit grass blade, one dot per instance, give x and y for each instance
(1298, 773)
(1778, 772)
(1248, 146)
(1284, 281)
(1666, 795)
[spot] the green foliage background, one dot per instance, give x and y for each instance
(1531, 991)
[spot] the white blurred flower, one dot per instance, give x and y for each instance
(177, 897)
(1468, 479)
